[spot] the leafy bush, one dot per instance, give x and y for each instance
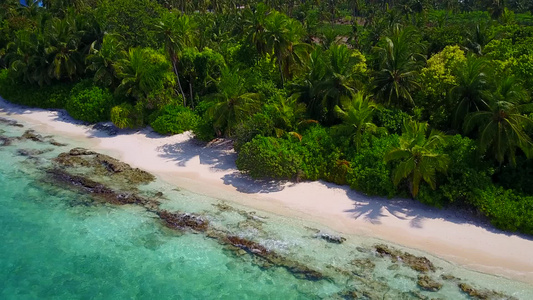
(269, 157)
(319, 155)
(89, 103)
(369, 173)
(465, 173)
(391, 119)
(506, 209)
(54, 96)
(173, 119)
(126, 115)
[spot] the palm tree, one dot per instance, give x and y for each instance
(356, 115)
(332, 75)
(254, 24)
(26, 58)
(232, 104)
(399, 62)
(418, 155)
(282, 35)
(341, 79)
(177, 34)
(101, 60)
(501, 124)
(469, 94)
(286, 114)
(66, 59)
(141, 71)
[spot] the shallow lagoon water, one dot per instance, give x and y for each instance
(57, 243)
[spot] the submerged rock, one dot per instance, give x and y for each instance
(103, 165)
(10, 122)
(297, 269)
(429, 284)
(32, 152)
(420, 264)
(331, 238)
(483, 293)
(183, 221)
(99, 190)
(363, 265)
(56, 143)
(31, 135)
(5, 140)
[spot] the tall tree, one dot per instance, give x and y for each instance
(470, 92)
(357, 114)
(418, 156)
(177, 34)
(282, 35)
(399, 63)
(101, 59)
(232, 104)
(501, 123)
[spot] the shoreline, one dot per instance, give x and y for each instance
(210, 170)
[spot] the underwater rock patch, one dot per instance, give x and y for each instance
(483, 293)
(103, 165)
(334, 239)
(183, 221)
(10, 122)
(32, 152)
(429, 284)
(420, 264)
(101, 191)
(297, 269)
(32, 136)
(5, 140)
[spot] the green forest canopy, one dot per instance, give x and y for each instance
(420, 98)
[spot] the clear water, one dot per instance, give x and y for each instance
(51, 247)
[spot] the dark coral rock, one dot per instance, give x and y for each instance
(483, 293)
(99, 190)
(32, 152)
(103, 165)
(31, 135)
(427, 283)
(183, 221)
(10, 122)
(5, 141)
(331, 238)
(56, 143)
(297, 269)
(420, 264)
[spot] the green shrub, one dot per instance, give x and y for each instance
(258, 124)
(391, 119)
(269, 157)
(506, 209)
(89, 103)
(126, 115)
(465, 174)
(53, 96)
(173, 119)
(319, 155)
(369, 173)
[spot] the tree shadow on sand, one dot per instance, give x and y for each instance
(219, 157)
(374, 209)
(245, 184)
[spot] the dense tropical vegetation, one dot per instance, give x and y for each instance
(424, 99)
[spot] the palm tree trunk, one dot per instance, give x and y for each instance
(179, 82)
(281, 72)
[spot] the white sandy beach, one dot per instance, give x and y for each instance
(211, 170)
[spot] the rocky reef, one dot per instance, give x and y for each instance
(420, 264)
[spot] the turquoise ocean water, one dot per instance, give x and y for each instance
(57, 244)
